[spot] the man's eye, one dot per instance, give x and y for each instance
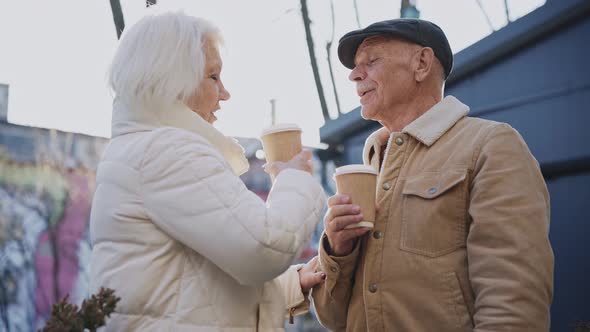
(372, 61)
(214, 77)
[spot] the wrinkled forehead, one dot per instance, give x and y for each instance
(373, 41)
(212, 55)
(389, 44)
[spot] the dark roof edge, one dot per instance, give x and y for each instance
(334, 131)
(540, 22)
(551, 16)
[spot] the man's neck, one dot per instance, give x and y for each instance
(404, 114)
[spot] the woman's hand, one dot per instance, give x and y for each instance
(308, 277)
(301, 161)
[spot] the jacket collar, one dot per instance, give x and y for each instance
(129, 119)
(427, 129)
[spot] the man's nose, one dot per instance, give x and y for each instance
(357, 74)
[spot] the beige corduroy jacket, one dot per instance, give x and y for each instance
(461, 237)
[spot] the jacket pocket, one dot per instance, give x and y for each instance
(459, 316)
(434, 213)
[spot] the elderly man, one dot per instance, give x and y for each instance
(460, 241)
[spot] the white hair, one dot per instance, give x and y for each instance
(161, 58)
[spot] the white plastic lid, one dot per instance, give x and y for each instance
(359, 168)
(281, 127)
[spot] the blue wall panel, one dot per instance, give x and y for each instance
(570, 238)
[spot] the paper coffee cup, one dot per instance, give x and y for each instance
(281, 142)
(360, 183)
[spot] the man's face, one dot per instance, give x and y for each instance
(383, 75)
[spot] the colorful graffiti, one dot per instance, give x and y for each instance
(44, 245)
(47, 179)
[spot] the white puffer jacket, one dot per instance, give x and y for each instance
(179, 237)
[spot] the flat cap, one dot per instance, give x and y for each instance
(417, 31)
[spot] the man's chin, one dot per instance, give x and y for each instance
(367, 113)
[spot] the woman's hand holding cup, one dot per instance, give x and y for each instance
(302, 161)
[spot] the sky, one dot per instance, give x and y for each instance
(55, 55)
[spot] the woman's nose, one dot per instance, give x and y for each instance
(224, 94)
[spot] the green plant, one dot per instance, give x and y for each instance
(92, 314)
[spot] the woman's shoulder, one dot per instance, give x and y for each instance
(175, 139)
(173, 135)
(173, 144)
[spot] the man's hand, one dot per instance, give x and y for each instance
(342, 213)
(308, 277)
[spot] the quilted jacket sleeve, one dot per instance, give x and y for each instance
(190, 192)
(296, 302)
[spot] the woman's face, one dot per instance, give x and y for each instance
(205, 100)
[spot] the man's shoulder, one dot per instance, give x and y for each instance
(480, 124)
(473, 133)
(482, 132)
(474, 128)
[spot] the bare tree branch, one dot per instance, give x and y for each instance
(486, 15)
(329, 53)
(507, 11)
(356, 12)
(118, 17)
(286, 12)
(314, 64)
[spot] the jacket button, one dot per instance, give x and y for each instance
(399, 141)
(377, 234)
(432, 191)
(372, 288)
(386, 186)
(334, 269)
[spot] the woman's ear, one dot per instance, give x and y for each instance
(424, 60)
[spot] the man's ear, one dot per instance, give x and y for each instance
(424, 59)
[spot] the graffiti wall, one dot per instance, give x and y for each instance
(46, 188)
(47, 179)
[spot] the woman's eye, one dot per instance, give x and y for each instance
(214, 77)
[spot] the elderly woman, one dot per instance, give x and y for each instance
(174, 230)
